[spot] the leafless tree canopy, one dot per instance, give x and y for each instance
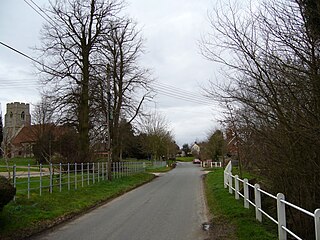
(79, 41)
(271, 62)
(158, 138)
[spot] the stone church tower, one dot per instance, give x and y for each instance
(16, 117)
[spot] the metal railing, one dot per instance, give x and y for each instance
(35, 179)
(281, 203)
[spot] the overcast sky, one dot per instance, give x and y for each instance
(172, 29)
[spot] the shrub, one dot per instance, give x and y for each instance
(7, 192)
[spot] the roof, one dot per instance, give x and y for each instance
(30, 134)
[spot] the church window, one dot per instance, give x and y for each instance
(22, 115)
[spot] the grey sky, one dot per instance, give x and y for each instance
(172, 30)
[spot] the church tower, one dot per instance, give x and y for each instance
(17, 116)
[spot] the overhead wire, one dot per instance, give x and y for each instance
(44, 17)
(195, 95)
(160, 88)
(180, 94)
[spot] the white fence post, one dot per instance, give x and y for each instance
(236, 186)
(281, 212)
(246, 193)
(317, 223)
(257, 199)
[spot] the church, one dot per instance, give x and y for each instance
(17, 137)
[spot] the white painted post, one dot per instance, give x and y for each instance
(246, 193)
(257, 199)
(51, 177)
(317, 223)
(236, 186)
(75, 176)
(28, 180)
(82, 174)
(40, 179)
(230, 182)
(281, 212)
(60, 177)
(68, 176)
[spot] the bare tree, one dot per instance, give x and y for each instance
(75, 33)
(129, 82)
(272, 67)
(158, 137)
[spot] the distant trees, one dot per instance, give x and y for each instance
(271, 59)
(158, 140)
(185, 148)
(90, 54)
(215, 146)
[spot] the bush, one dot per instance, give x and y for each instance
(7, 192)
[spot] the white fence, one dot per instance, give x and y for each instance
(229, 179)
(57, 177)
(211, 164)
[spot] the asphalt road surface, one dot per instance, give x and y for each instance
(170, 207)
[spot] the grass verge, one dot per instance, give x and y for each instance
(230, 219)
(185, 159)
(158, 170)
(25, 217)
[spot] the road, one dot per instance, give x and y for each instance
(170, 207)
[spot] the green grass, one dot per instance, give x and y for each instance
(158, 169)
(232, 215)
(25, 217)
(18, 161)
(185, 159)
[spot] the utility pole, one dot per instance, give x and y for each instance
(109, 124)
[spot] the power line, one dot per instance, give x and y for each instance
(181, 97)
(195, 95)
(177, 93)
(44, 17)
(32, 59)
(183, 94)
